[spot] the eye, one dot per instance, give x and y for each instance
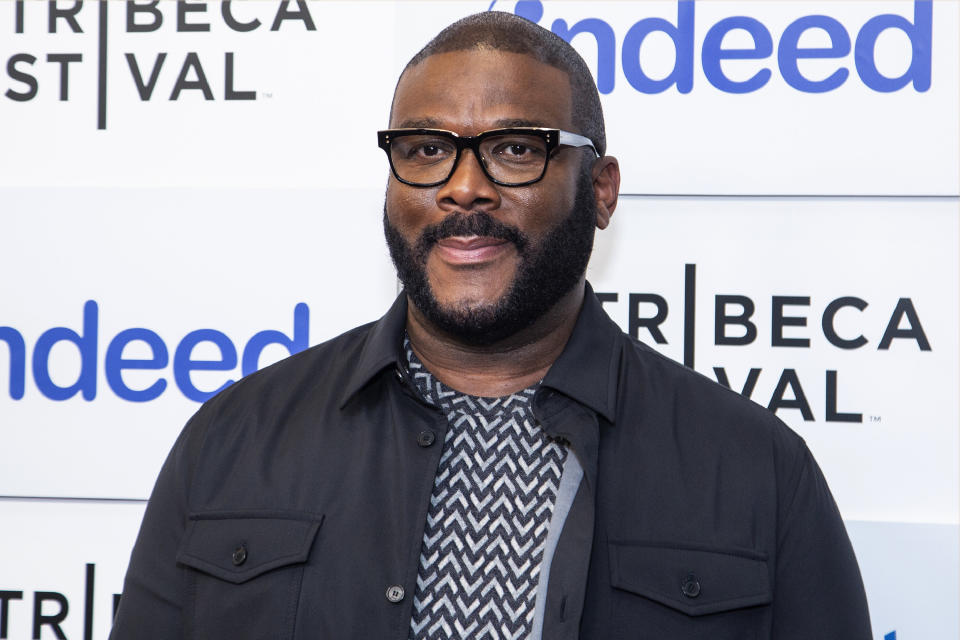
(428, 150)
(516, 149)
(422, 149)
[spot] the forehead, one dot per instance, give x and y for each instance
(471, 91)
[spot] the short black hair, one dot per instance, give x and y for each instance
(503, 31)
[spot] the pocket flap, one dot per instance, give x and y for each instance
(238, 546)
(696, 581)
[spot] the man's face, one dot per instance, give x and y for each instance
(483, 261)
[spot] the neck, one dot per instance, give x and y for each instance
(498, 369)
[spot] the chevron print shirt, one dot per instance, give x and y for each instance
(490, 510)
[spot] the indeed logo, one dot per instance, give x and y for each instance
(788, 50)
(185, 361)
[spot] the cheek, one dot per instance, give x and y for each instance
(540, 210)
(407, 206)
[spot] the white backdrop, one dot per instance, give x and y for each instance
(177, 193)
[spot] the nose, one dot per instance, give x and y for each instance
(468, 189)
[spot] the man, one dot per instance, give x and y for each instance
(494, 458)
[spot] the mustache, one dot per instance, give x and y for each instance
(478, 223)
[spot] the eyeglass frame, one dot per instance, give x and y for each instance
(553, 138)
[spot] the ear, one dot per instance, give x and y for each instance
(606, 188)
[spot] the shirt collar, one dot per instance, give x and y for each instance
(586, 370)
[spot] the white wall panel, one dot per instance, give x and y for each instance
(68, 557)
(172, 261)
(906, 568)
(777, 139)
(893, 455)
(317, 96)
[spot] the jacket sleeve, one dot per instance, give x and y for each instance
(150, 606)
(818, 590)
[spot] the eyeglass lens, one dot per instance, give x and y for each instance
(428, 158)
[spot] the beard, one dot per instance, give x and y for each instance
(546, 270)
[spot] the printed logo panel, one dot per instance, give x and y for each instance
(63, 567)
(909, 571)
(855, 98)
(125, 309)
(772, 97)
(838, 314)
(254, 93)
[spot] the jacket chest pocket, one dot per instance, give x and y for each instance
(243, 573)
(670, 592)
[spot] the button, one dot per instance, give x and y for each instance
(426, 438)
(690, 586)
(399, 375)
(395, 593)
(239, 555)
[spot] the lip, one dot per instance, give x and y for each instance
(471, 250)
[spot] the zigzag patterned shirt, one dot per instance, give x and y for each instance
(492, 501)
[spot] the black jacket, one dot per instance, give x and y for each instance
(294, 500)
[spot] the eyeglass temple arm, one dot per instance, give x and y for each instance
(575, 140)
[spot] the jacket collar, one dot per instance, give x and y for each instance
(586, 370)
(381, 348)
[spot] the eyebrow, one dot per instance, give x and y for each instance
(419, 123)
(503, 123)
(506, 123)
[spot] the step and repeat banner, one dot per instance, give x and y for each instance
(190, 191)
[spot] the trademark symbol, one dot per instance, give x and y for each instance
(266, 94)
(875, 418)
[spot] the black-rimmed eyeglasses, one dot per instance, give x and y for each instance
(512, 157)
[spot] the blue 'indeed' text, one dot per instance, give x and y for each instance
(788, 50)
(114, 363)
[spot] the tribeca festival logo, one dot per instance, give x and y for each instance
(50, 608)
(736, 323)
(23, 68)
(860, 40)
